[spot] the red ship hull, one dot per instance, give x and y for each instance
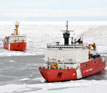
(92, 67)
(58, 74)
(86, 69)
(15, 46)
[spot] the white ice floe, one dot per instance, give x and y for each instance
(77, 86)
(41, 80)
(24, 79)
(12, 61)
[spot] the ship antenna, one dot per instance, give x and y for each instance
(67, 26)
(17, 25)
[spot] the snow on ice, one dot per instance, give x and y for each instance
(77, 86)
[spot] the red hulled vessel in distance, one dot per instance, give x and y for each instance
(71, 61)
(15, 42)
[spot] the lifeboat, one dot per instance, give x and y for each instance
(15, 42)
(71, 61)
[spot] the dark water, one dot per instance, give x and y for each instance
(24, 70)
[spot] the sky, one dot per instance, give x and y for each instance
(53, 10)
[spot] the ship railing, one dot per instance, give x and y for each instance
(21, 35)
(61, 65)
(65, 46)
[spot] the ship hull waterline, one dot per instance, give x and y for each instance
(86, 69)
(15, 46)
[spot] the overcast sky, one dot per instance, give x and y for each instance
(53, 10)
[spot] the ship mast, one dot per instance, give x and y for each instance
(66, 34)
(66, 25)
(17, 25)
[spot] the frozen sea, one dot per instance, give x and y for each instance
(19, 70)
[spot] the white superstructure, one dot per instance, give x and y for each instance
(70, 54)
(17, 38)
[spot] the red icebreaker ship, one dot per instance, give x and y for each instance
(71, 61)
(15, 42)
